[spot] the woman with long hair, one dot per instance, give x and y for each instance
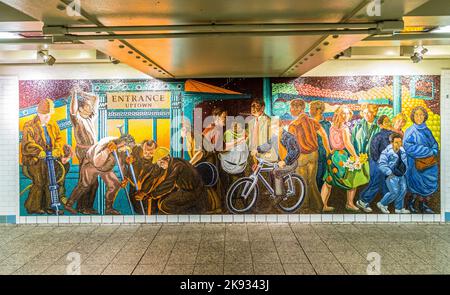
(338, 174)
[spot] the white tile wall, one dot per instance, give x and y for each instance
(9, 145)
(327, 218)
(282, 218)
(294, 218)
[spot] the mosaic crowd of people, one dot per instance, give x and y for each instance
(345, 153)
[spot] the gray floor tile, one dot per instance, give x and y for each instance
(329, 269)
(178, 269)
(119, 269)
(237, 257)
(268, 269)
(149, 269)
(208, 269)
(298, 269)
(265, 257)
(238, 269)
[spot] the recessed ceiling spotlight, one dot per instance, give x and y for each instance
(47, 58)
(418, 54)
(114, 60)
(121, 46)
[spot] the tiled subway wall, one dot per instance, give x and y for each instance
(9, 149)
(9, 176)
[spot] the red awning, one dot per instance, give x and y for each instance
(196, 86)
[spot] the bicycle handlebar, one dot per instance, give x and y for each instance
(267, 163)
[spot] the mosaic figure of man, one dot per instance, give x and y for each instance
(83, 115)
(306, 130)
(40, 135)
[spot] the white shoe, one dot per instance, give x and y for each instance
(383, 209)
(364, 206)
(402, 211)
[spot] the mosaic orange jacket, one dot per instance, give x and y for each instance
(33, 140)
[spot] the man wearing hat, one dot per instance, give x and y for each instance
(39, 136)
(100, 161)
(83, 114)
(179, 188)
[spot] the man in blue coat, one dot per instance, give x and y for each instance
(379, 143)
(393, 164)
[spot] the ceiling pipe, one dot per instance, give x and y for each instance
(207, 34)
(382, 26)
(27, 41)
(409, 36)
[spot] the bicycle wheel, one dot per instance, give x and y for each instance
(295, 196)
(236, 202)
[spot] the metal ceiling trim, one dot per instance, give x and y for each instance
(322, 40)
(208, 34)
(105, 48)
(27, 41)
(409, 36)
(62, 30)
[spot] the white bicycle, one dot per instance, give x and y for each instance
(243, 193)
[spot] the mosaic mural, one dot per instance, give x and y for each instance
(367, 144)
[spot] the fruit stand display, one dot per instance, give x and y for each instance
(282, 93)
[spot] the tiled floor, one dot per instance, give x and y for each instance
(291, 249)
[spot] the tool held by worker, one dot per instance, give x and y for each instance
(133, 174)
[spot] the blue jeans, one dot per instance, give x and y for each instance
(397, 191)
(377, 182)
(321, 168)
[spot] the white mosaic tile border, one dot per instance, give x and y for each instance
(259, 218)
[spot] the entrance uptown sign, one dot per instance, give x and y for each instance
(138, 100)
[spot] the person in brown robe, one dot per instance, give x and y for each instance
(179, 189)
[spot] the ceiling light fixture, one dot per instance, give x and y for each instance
(419, 53)
(114, 61)
(47, 58)
(8, 35)
(443, 29)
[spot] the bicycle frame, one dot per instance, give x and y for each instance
(257, 174)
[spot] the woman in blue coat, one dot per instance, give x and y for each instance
(422, 150)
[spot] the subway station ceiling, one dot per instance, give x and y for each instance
(221, 38)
